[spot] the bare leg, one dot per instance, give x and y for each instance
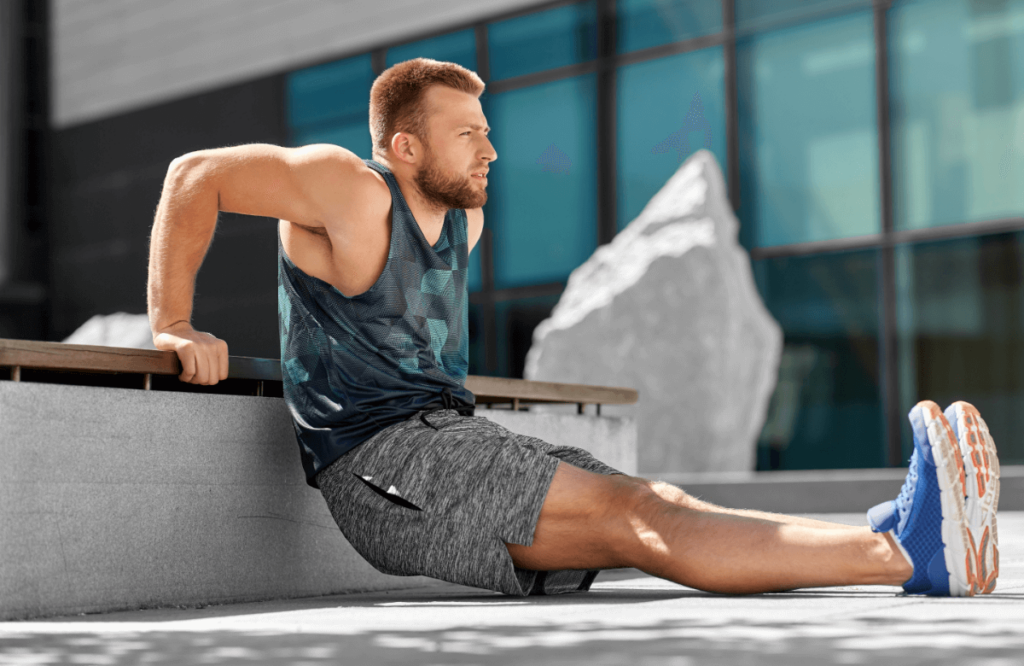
(593, 521)
(677, 496)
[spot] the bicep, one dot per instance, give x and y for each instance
(295, 184)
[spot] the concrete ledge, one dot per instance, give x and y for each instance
(818, 491)
(121, 499)
(612, 440)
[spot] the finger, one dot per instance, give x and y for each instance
(212, 364)
(187, 356)
(202, 368)
(224, 361)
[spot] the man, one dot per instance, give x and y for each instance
(373, 303)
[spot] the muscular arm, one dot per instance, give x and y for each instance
(302, 185)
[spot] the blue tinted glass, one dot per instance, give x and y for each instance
(960, 321)
(826, 411)
(474, 281)
(542, 205)
(354, 135)
(543, 40)
(808, 137)
(957, 85)
(335, 93)
(646, 23)
(516, 320)
(458, 47)
(666, 110)
(762, 14)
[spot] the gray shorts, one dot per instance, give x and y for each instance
(415, 501)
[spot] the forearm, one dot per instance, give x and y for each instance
(182, 231)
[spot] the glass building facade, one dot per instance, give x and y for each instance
(874, 155)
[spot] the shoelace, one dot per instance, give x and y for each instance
(447, 402)
(905, 500)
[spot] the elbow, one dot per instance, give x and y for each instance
(186, 163)
(190, 171)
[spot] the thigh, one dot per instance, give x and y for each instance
(586, 522)
(442, 503)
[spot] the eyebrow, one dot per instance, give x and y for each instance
(476, 127)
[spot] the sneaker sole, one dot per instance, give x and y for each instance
(981, 467)
(949, 468)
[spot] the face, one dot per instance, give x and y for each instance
(456, 150)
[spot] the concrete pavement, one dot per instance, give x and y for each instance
(627, 618)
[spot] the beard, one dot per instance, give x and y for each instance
(444, 190)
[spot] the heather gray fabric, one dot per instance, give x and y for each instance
(413, 500)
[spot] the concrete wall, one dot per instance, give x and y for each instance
(612, 440)
(112, 56)
(118, 498)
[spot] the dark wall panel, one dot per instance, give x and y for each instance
(106, 182)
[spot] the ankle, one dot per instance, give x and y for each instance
(898, 568)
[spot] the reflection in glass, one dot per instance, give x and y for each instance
(960, 315)
(543, 40)
(826, 411)
(807, 132)
(667, 109)
(646, 23)
(330, 104)
(542, 199)
(754, 15)
(458, 47)
(956, 81)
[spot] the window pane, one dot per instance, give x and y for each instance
(354, 135)
(957, 112)
(826, 411)
(543, 40)
(458, 47)
(762, 14)
(542, 200)
(647, 23)
(808, 132)
(330, 103)
(474, 280)
(667, 109)
(960, 308)
(516, 321)
(477, 343)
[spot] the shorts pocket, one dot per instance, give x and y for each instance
(391, 494)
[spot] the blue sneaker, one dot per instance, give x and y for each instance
(981, 469)
(927, 519)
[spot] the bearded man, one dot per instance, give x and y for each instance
(372, 264)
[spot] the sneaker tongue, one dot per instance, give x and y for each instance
(882, 517)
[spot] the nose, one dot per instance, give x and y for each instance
(491, 154)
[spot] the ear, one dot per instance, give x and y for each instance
(406, 147)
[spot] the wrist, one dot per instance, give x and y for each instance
(181, 324)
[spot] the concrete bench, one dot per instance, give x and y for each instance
(122, 487)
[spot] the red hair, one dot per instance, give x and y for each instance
(397, 101)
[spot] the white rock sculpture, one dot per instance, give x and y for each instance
(114, 330)
(670, 308)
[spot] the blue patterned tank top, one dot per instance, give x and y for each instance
(354, 366)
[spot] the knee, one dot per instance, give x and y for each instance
(647, 515)
(679, 497)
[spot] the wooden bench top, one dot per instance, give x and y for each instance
(87, 359)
